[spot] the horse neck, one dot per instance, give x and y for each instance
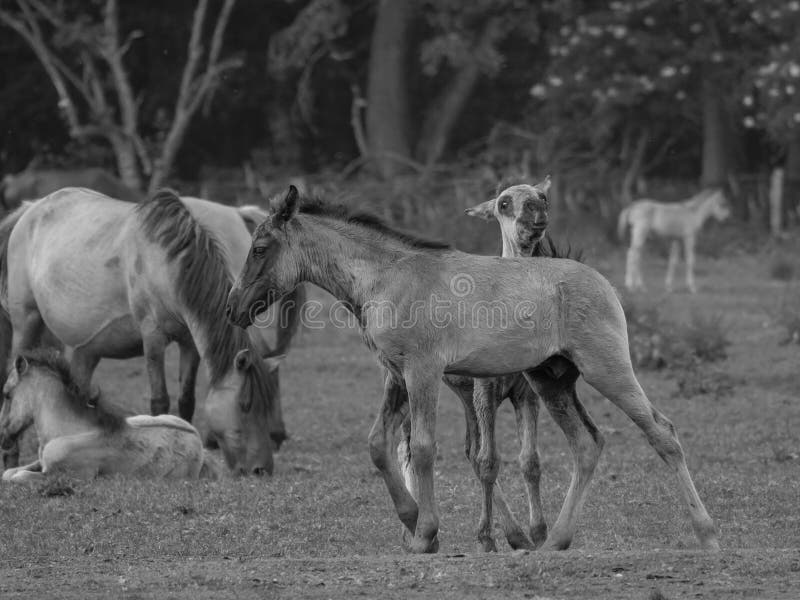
(702, 210)
(347, 263)
(511, 249)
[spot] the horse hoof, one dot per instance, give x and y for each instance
(519, 541)
(488, 545)
(412, 545)
(539, 534)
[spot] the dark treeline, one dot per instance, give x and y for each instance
(616, 92)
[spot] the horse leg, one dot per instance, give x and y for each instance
(381, 437)
(688, 245)
(526, 407)
(189, 364)
(422, 383)
(82, 364)
(10, 474)
(154, 343)
(609, 371)
(674, 257)
(585, 443)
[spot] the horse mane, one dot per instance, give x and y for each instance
(203, 282)
(546, 247)
(81, 401)
(315, 206)
(702, 195)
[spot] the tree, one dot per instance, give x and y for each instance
(82, 49)
(653, 68)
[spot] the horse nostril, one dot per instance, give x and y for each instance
(228, 310)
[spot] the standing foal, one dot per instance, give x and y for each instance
(680, 221)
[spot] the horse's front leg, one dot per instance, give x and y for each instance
(13, 473)
(422, 384)
(189, 364)
(381, 440)
(486, 462)
(154, 343)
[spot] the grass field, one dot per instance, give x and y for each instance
(323, 525)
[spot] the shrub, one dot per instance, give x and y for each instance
(782, 268)
(706, 337)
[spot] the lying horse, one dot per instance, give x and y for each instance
(79, 437)
(549, 309)
(679, 221)
(522, 213)
(114, 279)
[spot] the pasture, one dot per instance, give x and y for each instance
(323, 525)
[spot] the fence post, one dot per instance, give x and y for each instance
(776, 201)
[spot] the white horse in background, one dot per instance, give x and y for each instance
(679, 221)
(79, 437)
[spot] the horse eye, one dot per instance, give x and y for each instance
(259, 251)
(503, 204)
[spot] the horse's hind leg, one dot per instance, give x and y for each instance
(526, 407)
(189, 364)
(585, 443)
(610, 372)
(633, 265)
(674, 257)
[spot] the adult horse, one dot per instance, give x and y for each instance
(679, 221)
(522, 212)
(80, 437)
(32, 184)
(233, 227)
(114, 279)
(436, 296)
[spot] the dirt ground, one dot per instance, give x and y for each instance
(323, 525)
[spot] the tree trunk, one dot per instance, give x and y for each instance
(387, 93)
(127, 161)
(715, 138)
(634, 167)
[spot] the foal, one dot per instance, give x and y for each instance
(522, 212)
(680, 221)
(555, 310)
(80, 438)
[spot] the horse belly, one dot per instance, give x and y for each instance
(502, 354)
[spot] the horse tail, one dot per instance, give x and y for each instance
(210, 469)
(622, 222)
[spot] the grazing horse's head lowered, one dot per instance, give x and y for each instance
(522, 211)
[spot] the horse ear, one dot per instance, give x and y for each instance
(544, 185)
(20, 365)
(484, 210)
(243, 361)
(288, 207)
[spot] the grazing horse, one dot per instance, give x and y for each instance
(679, 221)
(437, 300)
(32, 184)
(522, 213)
(113, 279)
(233, 227)
(79, 437)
